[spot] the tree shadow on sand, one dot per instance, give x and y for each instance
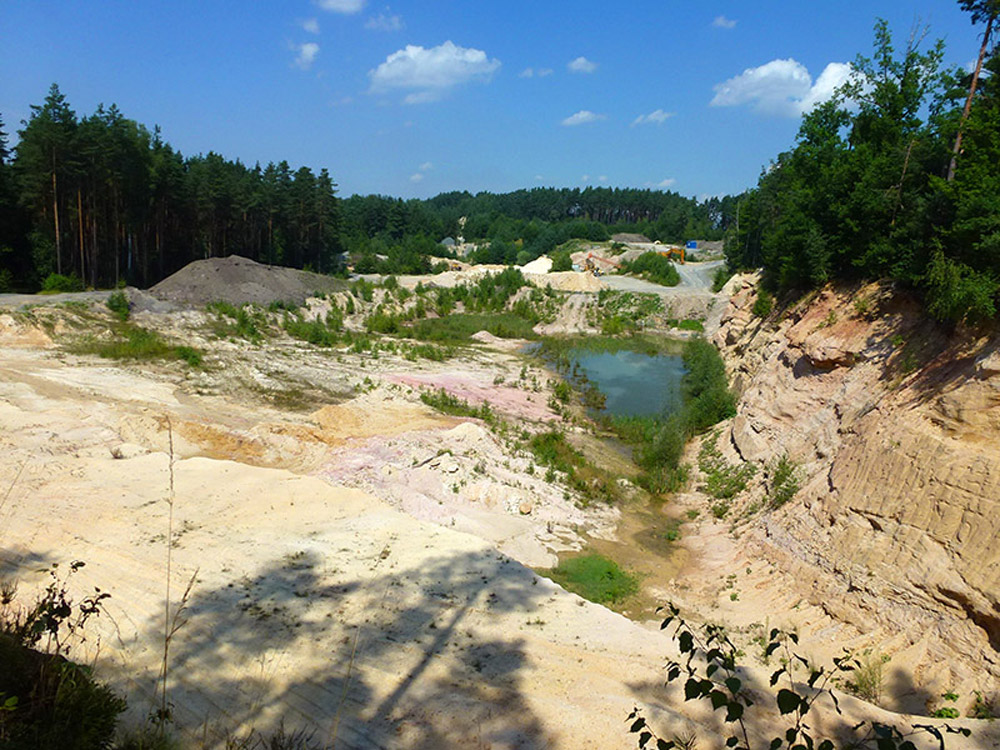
(404, 658)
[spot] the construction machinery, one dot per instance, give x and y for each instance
(673, 253)
(598, 265)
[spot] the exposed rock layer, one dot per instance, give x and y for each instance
(895, 422)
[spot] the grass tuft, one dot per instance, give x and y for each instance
(596, 578)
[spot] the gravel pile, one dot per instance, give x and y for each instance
(240, 280)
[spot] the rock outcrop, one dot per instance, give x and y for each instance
(895, 422)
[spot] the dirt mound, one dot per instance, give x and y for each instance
(239, 280)
(630, 238)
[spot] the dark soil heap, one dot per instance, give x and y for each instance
(240, 280)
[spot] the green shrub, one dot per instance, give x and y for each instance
(55, 283)
(784, 481)
(561, 260)
(315, 331)
(461, 327)
(763, 305)
(190, 355)
(382, 322)
(139, 344)
(723, 480)
(654, 267)
(243, 322)
(868, 679)
(118, 304)
(562, 391)
(596, 578)
(47, 700)
(6, 281)
(710, 672)
(722, 275)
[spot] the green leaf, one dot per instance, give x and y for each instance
(776, 675)
(692, 689)
(719, 699)
(686, 642)
(734, 684)
(734, 711)
(644, 738)
(637, 725)
(787, 701)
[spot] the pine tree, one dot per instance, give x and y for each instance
(980, 10)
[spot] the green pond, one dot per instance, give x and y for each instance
(635, 384)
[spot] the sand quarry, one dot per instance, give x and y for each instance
(356, 564)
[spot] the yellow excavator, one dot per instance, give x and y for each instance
(673, 253)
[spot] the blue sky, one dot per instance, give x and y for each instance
(416, 98)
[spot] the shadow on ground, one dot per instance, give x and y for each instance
(405, 658)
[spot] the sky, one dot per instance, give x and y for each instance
(417, 98)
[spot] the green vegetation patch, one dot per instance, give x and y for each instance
(785, 481)
(658, 442)
(243, 322)
(118, 304)
(723, 480)
(552, 450)
(461, 327)
(594, 577)
(141, 344)
(653, 267)
(56, 283)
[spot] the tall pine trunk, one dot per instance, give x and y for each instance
(55, 216)
(79, 226)
(968, 102)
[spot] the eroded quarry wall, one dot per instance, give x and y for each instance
(895, 422)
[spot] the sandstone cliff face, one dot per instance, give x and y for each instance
(896, 423)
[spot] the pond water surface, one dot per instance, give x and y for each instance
(634, 383)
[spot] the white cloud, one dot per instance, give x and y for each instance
(721, 22)
(583, 117)
(585, 178)
(539, 178)
(311, 25)
(544, 72)
(306, 54)
(669, 182)
(431, 72)
(656, 117)
(602, 178)
(833, 77)
(416, 177)
(342, 6)
(385, 22)
(780, 87)
(426, 166)
(527, 73)
(582, 65)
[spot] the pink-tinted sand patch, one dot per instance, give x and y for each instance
(512, 402)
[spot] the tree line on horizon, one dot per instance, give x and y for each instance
(106, 201)
(896, 177)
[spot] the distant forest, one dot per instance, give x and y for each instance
(103, 200)
(896, 177)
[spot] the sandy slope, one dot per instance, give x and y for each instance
(352, 610)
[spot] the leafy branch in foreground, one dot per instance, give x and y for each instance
(710, 672)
